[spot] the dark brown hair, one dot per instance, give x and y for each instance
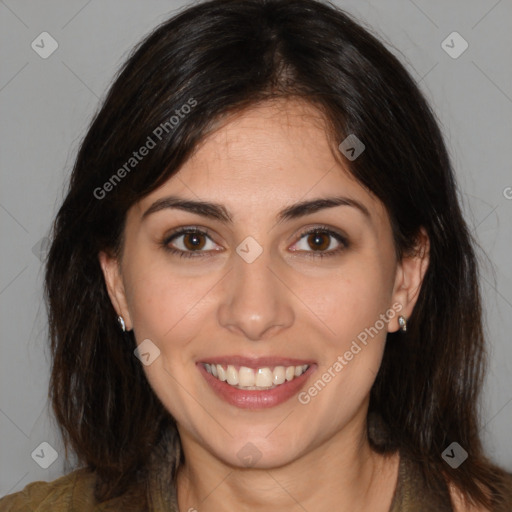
(225, 56)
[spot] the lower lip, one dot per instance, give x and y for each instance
(253, 399)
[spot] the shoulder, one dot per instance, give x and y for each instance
(460, 506)
(505, 503)
(63, 494)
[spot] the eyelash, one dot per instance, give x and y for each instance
(194, 254)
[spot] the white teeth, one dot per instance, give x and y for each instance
(279, 375)
(261, 378)
(232, 375)
(246, 377)
(264, 378)
(221, 373)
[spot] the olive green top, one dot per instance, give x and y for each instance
(75, 493)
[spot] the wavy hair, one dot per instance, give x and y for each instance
(228, 55)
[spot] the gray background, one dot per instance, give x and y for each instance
(46, 105)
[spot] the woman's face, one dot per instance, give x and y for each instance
(271, 306)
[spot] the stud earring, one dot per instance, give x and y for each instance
(403, 323)
(120, 319)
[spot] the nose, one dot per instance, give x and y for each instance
(255, 304)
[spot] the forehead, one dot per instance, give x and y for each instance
(286, 137)
(270, 155)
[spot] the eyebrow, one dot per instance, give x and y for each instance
(219, 212)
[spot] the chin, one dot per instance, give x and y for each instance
(261, 451)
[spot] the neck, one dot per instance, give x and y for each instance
(343, 474)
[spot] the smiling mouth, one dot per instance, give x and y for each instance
(263, 378)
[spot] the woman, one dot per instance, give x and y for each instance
(262, 292)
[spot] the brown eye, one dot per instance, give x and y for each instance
(319, 241)
(193, 241)
(190, 242)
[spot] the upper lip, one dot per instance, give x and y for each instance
(256, 362)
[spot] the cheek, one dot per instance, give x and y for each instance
(170, 308)
(158, 299)
(347, 300)
(347, 309)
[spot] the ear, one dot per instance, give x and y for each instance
(115, 286)
(409, 278)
